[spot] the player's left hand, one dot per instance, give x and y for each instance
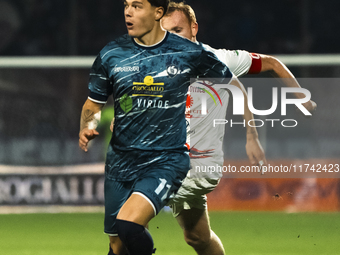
(255, 151)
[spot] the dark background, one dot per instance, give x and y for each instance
(74, 27)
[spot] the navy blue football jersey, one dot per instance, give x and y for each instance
(149, 87)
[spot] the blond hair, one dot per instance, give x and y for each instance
(182, 7)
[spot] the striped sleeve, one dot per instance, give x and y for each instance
(211, 67)
(100, 87)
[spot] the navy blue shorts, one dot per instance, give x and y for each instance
(158, 184)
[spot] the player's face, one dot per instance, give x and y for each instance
(179, 24)
(140, 17)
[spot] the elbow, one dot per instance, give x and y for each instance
(270, 63)
(276, 64)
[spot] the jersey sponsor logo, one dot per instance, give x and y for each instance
(126, 103)
(126, 69)
(198, 113)
(172, 71)
(148, 88)
(152, 103)
(190, 101)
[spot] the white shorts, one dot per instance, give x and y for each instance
(192, 194)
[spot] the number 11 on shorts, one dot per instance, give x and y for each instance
(161, 187)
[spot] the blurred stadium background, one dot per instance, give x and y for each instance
(46, 50)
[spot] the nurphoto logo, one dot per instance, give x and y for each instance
(239, 103)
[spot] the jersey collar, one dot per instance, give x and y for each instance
(150, 47)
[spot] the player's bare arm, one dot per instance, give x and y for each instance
(112, 124)
(270, 63)
(89, 120)
(254, 149)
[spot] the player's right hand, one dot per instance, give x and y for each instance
(255, 151)
(85, 136)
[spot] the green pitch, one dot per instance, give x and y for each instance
(246, 233)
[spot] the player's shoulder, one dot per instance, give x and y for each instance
(228, 53)
(115, 47)
(237, 53)
(183, 43)
(208, 47)
(221, 54)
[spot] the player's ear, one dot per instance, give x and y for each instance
(194, 29)
(159, 13)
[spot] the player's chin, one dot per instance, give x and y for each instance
(136, 33)
(132, 33)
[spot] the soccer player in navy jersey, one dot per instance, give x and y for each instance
(189, 204)
(147, 72)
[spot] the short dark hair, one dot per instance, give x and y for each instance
(160, 3)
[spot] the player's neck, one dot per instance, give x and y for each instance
(153, 37)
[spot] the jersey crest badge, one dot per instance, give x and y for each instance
(172, 71)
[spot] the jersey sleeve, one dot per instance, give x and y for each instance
(239, 61)
(100, 87)
(242, 62)
(211, 67)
